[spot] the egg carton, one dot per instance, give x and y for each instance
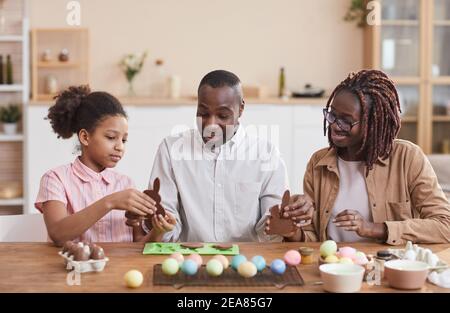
(83, 266)
(420, 254)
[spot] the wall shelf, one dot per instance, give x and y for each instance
(441, 118)
(75, 71)
(15, 42)
(58, 64)
(399, 23)
(11, 202)
(10, 138)
(442, 23)
(11, 38)
(409, 119)
(11, 88)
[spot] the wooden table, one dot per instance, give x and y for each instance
(37, 267)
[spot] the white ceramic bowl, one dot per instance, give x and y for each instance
(406, 274)
(341, 277)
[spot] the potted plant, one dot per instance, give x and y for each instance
(357, 12)
(9, 116)
(131, 65)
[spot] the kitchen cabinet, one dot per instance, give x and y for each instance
(411, 45)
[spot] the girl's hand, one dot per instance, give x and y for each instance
(133, 201)
(301, 210)
(352, 220)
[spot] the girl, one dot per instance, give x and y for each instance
(86, 200)
(368, 185)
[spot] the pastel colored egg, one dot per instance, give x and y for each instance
(247, 269)
(278, 266)
(170, 266)
(331, 259)
(328, 247)
(292, 257)
(410, 255)
(259, 262)
(237, 260)
(214, 267)
(177, 256)
(346, 252)
(360, 258)
(345, 260)
(189, 267)
(133, 279)
(222, 259)
(196, 258)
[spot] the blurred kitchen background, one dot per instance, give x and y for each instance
(289, 54)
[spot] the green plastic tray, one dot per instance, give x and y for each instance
(171, 247)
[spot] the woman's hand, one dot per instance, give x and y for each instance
(301, 210)
(352, 220)
(133, 201)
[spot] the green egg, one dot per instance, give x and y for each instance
(170, 266)
(214, 267)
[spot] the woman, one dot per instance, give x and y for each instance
(368, 185)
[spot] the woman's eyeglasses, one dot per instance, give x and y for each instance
(343, 124)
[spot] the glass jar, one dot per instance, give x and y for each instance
(307, 255)
(381, 257)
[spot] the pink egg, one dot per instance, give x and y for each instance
(360, 259)
(346, 252)
(196, 258)
(292, 257)
(177, 256)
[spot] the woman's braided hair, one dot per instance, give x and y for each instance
(380, 112)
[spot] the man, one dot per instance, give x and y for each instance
(218, 181)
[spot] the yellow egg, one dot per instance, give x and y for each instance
(346, 260)
(247, 269)
(222, 259)
(331, 259)
(133, 279)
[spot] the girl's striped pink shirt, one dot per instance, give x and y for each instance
(78, 186)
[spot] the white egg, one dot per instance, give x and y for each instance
(409, 246)
(432, 259)
(410, 255)
(420, 254)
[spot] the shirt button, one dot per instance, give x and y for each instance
(374, 204)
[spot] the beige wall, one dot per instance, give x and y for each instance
(252, 38)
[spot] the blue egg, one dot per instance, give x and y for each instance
(278, 266)
(259, 262)
(189, 267)
(237, 260)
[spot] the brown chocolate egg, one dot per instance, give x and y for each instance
(97, 253)
(74, 248)
(82, 253)
(67, 245)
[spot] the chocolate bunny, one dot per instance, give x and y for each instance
(278, 224)
(154, 194)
